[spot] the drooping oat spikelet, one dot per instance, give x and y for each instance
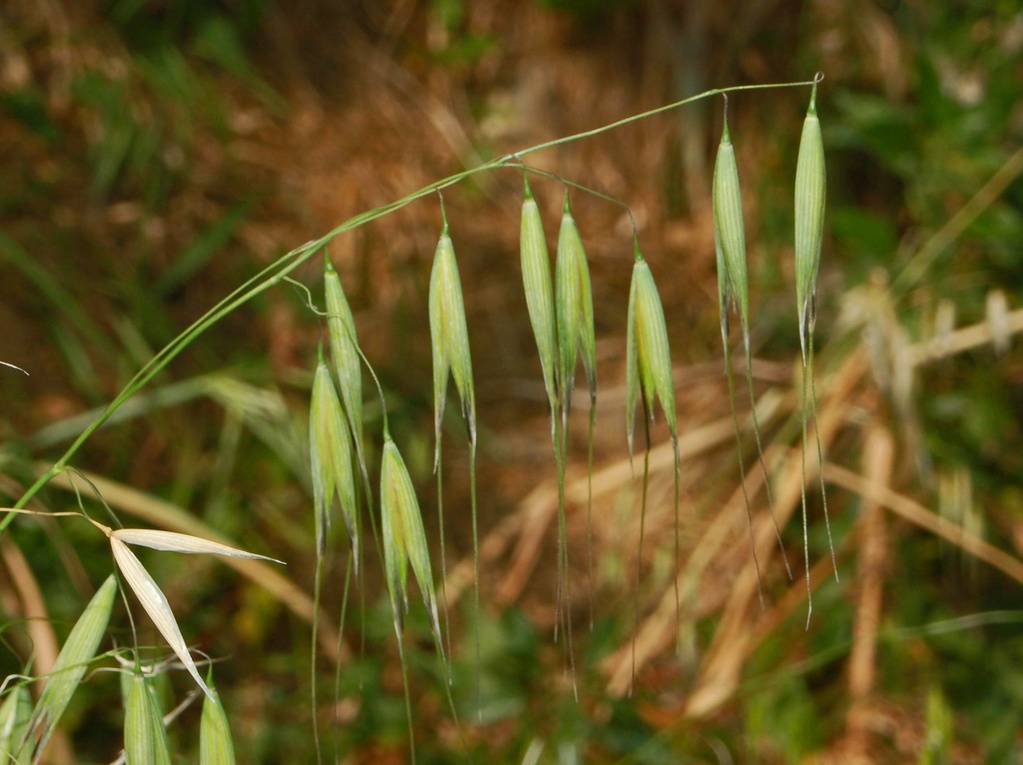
(733, 287)
(330, 449)
(810, 194)
(345, 353)
(811, 180)
(449, 341)
(404, 538)
(536, 278)
(216, 746)
(145, 740)
(648, 359)
(729, 229)
(449, 338)
(72, 663)
(648, 374)
(574, 308)
(573, 304)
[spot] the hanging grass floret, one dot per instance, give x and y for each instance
(648, 377)
(810, 197)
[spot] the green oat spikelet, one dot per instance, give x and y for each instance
(573, 303)
(145, 739)
(810, 195)
(72, 662)
(648, 375)
(729, 229)
(449, 341)
(536, 278)
(216, 747)
(648, 359)
(404, 539)
(344, 351)
(449, 337)
(733, 289)
(811, 179)
(330, 450)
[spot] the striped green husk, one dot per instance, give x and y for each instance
(729, 230)
(536, 278)
(648, 359)
(145, 740)
(215, 744)
(449, 338)
(72, 662)
(404, 538)
(330, 451)
(345, 353)
(573, 302)
(811, 180)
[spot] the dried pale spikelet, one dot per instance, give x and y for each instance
(216, 746)
(15, 714)
(344, 351)
(145, 740)
(330, 449)
(729, 232)
(155, 604)
(648, 360)
(449, 338)
(809, 214)
(173, 541)
(573, 302)
(404, 538)
(536, 278)
(145, 587)
(72, 663)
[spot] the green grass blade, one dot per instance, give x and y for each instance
(72, 662)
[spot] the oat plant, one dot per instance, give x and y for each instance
(561, 315)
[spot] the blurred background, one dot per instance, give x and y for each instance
(157, 154)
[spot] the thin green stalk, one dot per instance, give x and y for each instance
(475, 573)
(340, 642)
(443, 556)
(565, 611)
(820, 462)
(802, 496)
(317, 582)
(589, 502)
(760, 453)
(642, 526)
(742, 467)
